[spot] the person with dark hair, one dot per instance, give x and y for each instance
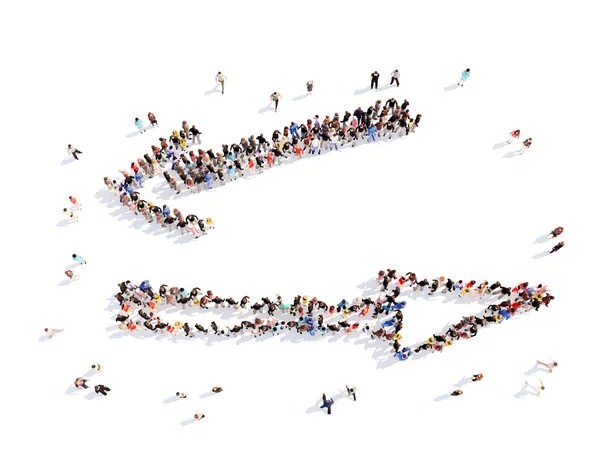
(217, 389)
(374, 80)
(73, 152)
(180, 395)
(477, 377)
(395, 77)
(327, 404)
(101, 389)
(464, 77)
(275, 97)
(556, 232)
(513, 135)
(80, 383)
(456, 393)
(526, 144)
(351, 392)
(557, 247)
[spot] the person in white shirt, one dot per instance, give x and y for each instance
(538, 389)
(550, 366)
(52, 331)
(395, 77)
(220, 78)
(70, 215)
(97, 367)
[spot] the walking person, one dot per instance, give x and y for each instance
(275, 97)
(70, 215)
(199, 416)
(456, 393)
(51, 332)
(557, 247)
(464, 77)
(73, 152)
(309, 87)
(75, 203)
(101, 389)
(327, 404)
(550, 366)
(556, 232)
(513, 135)
(97, 367)
(477, 377)
(181, 394)
(538, 389)
(374, 79)
(351, 392)
(395, 77)
(220, 78)
(72, 275)
(79, 259)
(140, 125)
(80, 383)
(195, 135)
(217, 389)
(526, 144)
(152, 119)
(186, 129)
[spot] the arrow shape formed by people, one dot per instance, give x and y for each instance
(380, 317)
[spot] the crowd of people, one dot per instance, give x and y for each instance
(141, 304)
(204, 169)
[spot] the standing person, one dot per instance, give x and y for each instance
(513, 135)
(97, 367)
(220, 78)
(80, 383)
(395, 77)
(101, 389)
(195, 135)
(76, 204)
(275, 97)
(70, 215)
(152, 119)
(79, 259)
(309, 87)
(351, 392)
(72, 275)
(140, 125)
(181, 394)
(556, 232)
(477, 377)
(217, 389)
(526, 144)
(550, 366)
(538, 389)
(199, 416)
(456, 393)
(52, 331)
(210, 223)
(464, 77)
(73, 152)
(186, 129)
(327, 404)
(557, 247)
(375, 79)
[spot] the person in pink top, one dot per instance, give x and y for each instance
(75, 202)
(513, 135)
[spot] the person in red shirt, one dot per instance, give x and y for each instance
(513, 135)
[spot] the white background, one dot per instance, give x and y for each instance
(445, 201)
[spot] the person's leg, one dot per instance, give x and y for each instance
(222, 87)
(397, 82)
(392, 81)
(276, 104)
(372, 83)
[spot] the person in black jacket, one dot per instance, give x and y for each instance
(374, 79)
(101, 389)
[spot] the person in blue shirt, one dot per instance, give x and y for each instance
(294, 130)
(166, 211)
(138, 178)
(140, 125)
(327, 404)
(371, 133)
(209, 180)
(464, 77)
(79, 259)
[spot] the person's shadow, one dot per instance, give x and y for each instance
(213, 90)
(207, 394)
(451, 87)
(300, 97)
(523, 392)
(463, 381)
(542, 239)
(362, 91)
(540, 255)
(499, 145)
(536, 368)
(187, 422)
(511, 154)
(269, 107)
(133, 133)
(67, 160)
(171, 399)
(439, 398)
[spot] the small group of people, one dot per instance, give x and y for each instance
(328, 402)
(69, 211)
(555, 233)
(130, 199)
(395, 78)
(474, 378)
(81, 382)
(516, 134)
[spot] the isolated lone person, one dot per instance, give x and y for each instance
(220, 78)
